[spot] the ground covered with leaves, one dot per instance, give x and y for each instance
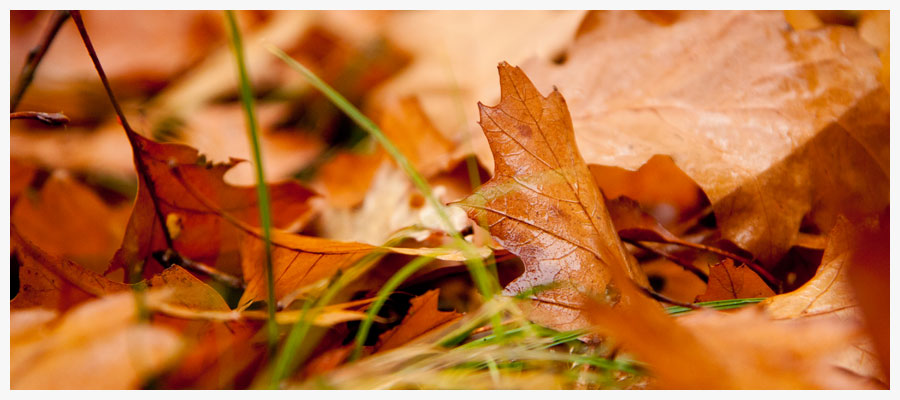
(449, 200)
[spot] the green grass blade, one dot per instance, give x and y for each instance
(716, 305)
(262, 191)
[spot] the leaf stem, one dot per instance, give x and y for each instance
(262, 191)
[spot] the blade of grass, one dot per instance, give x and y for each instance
(262, 191)
(408, 270)
(716, 305)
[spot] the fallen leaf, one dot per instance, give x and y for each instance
(98, 345)
(68, 219)
(773, 124)
(423, 317)
(21, 172)
(727, 281)
(543, 205)
(52, 282)
(658, 185)
(830, 293)
(202, 235)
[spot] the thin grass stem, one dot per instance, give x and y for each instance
(262, 191)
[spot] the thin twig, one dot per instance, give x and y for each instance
(52, 119)
(35, 56)
(171, 257)
(665, 299)
(690, 267)
(130, 133)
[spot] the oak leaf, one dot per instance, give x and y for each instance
(773, 124)
(729, 281)
(543, 205)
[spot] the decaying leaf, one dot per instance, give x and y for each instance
(543, 205)
(729, 281)
(201, 234)
(773, 124)
(423, 316)
(98, 345)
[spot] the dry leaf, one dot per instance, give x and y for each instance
(543, 205)
(727, 281)
(197, 232)
(771, 123)
(68, 219)
(423, 317)
(830, 294)
(52, 282)
(659, 186)
(98, 345)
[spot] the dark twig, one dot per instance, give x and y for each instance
(131, 134)
(171, 257)
(665, 299)
(53, 119)
(688, 266)
(35, 56)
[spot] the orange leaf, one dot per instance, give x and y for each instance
(543, 204)
(727, 281)
(423, 317)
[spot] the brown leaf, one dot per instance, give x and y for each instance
(303, 263)
(830, 294)
(98, 345)
(543, 205)
(197, 232)
(53, 282)
(727, 281)
(68, 219)
(773, 124)
(423, 316)
(659, 185)
(21, 172)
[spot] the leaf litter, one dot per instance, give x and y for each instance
(733, 170)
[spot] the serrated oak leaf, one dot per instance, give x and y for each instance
(544, 206)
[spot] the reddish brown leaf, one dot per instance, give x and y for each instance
(423, 316)
(727, 281)
(197, 232)
(543, 205)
